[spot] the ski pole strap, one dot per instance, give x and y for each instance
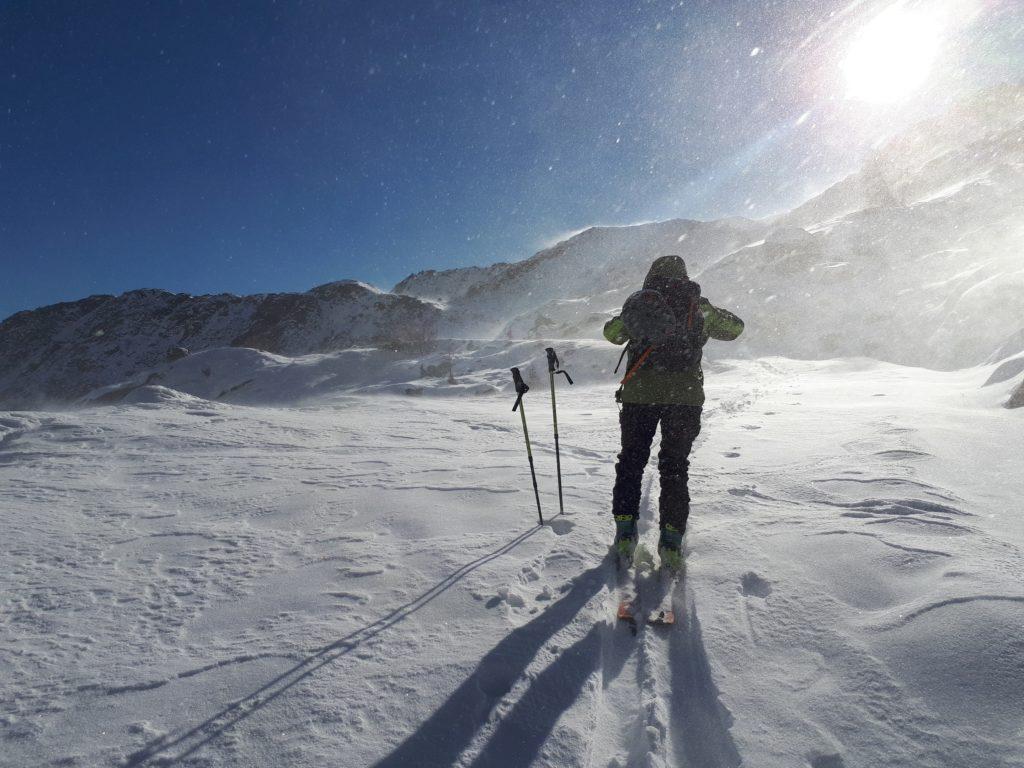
(636, 366)
(553, 365)
(521, 388)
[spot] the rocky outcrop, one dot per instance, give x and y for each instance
(447, 285)
(1017, 398)
(60, 352)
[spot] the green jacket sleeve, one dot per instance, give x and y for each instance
(615, 331)
(719, 324)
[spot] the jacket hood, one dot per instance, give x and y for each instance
(665, 268)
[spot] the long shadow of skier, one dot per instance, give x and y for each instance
(193, 739)
(523, 731)
(702, 723)
(445, 734)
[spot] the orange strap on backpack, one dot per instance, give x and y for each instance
(636, 366)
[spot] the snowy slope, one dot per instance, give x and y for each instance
(915, 260)
(445, 285)
(360, 581)
(251, 377)
(63, 351)
(600, 266)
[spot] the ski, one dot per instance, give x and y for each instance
(664, 615)
(661, 617)
(628, 595)
(629, 575)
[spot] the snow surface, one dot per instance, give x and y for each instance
(359, 580)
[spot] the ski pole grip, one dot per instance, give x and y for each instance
(552, 360)
(553, 364)
(521, 388)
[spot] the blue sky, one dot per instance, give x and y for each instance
(260, 146)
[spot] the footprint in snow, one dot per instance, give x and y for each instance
(359, 573)
(731, 455)
(827, 761)
(562, 526)
(753, 585)
(507, 595)
(357, 598)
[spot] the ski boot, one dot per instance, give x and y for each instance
(625, 538)
(670, 548)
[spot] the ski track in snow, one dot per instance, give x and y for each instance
(362, 583)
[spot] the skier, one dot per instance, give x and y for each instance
(665, 326)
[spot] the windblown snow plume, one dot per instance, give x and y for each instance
(916, 260)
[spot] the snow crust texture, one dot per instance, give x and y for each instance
(360, 581)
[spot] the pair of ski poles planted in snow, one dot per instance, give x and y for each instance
(554, 368)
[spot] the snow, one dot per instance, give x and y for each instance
(358, 579)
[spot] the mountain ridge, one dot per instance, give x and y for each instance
(914, 259)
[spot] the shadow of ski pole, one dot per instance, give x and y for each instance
(439, 741)
(198, 736)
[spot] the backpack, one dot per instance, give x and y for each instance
(666, 327)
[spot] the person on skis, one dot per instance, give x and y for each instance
(665, 327)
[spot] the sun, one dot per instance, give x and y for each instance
(892, 55)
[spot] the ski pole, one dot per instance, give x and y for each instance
(553, 370)
(522, 389)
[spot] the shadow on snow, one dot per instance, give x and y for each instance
(700, 723)
(190, 741)
(520, 734)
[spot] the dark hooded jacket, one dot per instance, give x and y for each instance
(658, 385)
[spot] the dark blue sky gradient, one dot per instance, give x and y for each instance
(258, 146)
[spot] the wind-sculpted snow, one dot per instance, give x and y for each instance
(360, 581)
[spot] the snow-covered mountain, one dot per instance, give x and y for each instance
(571, 288)
(916, 259)
(62, 351)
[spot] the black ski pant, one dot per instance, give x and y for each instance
(680, 425)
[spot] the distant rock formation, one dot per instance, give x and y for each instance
(447, 285)
(60, 352)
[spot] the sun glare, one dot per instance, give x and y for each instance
(892, 55)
